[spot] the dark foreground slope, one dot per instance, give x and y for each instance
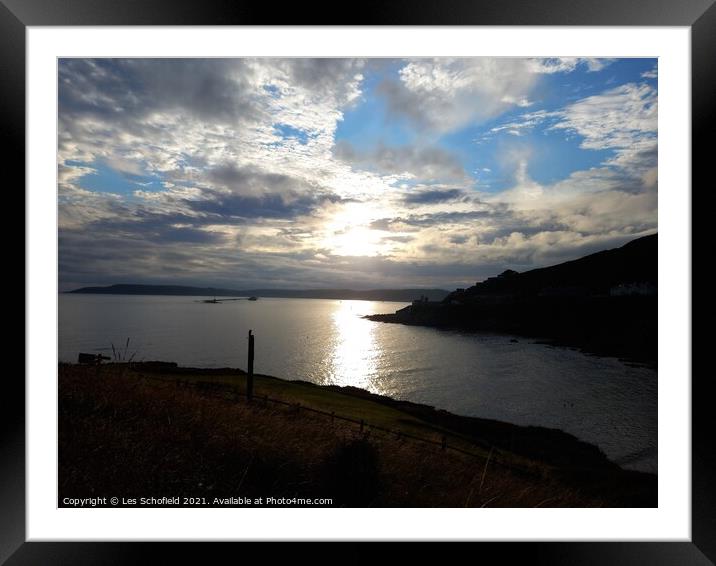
(605, 303)
(155, 430)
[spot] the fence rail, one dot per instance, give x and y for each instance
(221, 388)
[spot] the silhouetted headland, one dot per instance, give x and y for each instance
(396, 295)
(604, 303)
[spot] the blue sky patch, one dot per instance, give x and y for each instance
(108, 180)
(289, 132)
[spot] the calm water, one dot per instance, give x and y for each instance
(600, 400)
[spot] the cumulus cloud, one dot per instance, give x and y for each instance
(599, 206)
(442, 95)
(229, 172)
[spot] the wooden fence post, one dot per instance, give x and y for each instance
(250, 376)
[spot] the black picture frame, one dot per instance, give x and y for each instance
(17, 15)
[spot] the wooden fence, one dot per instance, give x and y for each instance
(225, 391)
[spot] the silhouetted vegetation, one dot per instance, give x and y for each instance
(157, 430)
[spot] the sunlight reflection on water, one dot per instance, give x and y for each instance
(600, 400)
(355, 352)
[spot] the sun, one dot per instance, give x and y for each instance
(355, 241)
(347, 233)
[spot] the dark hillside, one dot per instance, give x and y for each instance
(600, 273)
(604, 303)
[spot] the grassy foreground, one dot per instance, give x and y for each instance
(156, 430)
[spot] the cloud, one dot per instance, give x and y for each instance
(603, 205)
(434, 196)
(614, 119)
(177, 116)
(250, 179)
(458, 239)
(623, 119)
(524, 123)
(339, 76)
(443, 95)
(552, 65)
(651, 73)
(271, 205)
(425, 163)
(126, 89)
(249, 186)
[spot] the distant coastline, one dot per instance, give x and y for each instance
(396, 295)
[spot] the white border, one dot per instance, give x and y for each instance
(670, 521)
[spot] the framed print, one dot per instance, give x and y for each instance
(291, 278)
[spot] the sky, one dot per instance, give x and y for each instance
(355, 173)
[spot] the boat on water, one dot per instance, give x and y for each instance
(216, 301)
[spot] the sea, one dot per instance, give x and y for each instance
(601, 400)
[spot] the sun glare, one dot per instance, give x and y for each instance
(356, 351)
(356, 241)
(348, 234)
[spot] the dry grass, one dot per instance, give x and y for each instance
(122, 434)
